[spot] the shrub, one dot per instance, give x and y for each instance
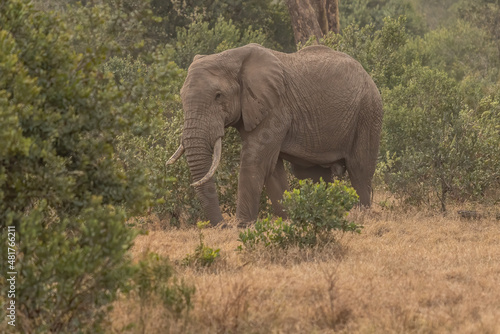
(69, 273)
(322, 205)
(441, 148)
(116, 27)
(460, 50)
(61, 183)
(270, 16)
(364, 12)
(268, 232)
(199, 38)
(314, 210)
(203, 255)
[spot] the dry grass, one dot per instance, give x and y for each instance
(414, 272)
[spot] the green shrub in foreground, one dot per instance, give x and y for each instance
(314, 210)
(203, 255)
(62, 186)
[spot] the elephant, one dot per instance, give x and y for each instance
(316, 108)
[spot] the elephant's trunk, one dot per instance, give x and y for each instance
(202, 164)
(213, 167)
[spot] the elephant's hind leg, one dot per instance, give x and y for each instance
(361, 172)
(362, 185)
(276, 184)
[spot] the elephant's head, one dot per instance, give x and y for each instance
(235, 87)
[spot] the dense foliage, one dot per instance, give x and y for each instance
(365, 12)
(199, 38)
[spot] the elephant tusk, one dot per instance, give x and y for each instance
(215, 163)
(176, 155)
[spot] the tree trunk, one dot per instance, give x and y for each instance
(313, 18)
(304, 20)
(332, 12)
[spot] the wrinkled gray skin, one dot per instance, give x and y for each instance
(316, 108)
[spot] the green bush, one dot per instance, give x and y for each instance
(314, 210)
(482, 14)
(116, 26)
(365, 12)
(62, 184)
(322, 205)
(199, 38)
(441, 148)
(70, 273)
(268, 232)
(203, 255)
(460, 50)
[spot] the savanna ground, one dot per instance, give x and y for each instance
(407, 272)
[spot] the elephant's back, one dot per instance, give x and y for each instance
(323, 65)
(321, 51)
(330, 94)
(319, 56)
(324, 77)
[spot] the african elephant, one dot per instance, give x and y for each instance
(316, 108)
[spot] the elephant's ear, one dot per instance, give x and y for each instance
(262, 85)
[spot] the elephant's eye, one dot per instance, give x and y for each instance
(217, 96)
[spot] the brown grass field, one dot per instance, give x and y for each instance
(407, 272)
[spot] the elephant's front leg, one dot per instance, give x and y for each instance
(250, 184)
(276, 184)
(255, 168)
